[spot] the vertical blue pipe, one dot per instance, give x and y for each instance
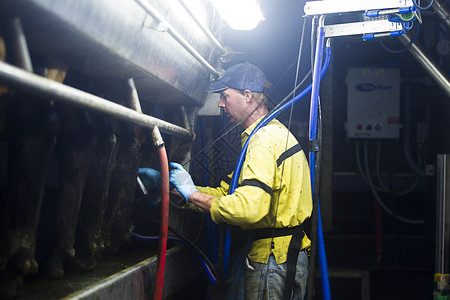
(312, 156)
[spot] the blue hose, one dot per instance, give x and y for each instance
(207, 265)
(264, 122)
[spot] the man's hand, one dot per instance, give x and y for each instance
(150, 178)
(182, 181)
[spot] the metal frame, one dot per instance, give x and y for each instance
(334, 7)
(361, 28)
(327, 7)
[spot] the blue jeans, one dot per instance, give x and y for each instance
(260, 286)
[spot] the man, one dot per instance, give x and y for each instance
(273, 196)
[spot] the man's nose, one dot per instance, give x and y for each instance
(221, 103)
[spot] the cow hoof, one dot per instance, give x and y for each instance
(96, 248)
(27, 267)
(11, 288)
(51, 269)
(70, 253)
(82, 264)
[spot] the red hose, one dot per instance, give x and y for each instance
(162, 245)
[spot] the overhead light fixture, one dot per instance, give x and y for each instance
(239, 14)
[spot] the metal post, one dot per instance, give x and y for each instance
(442, 214)
(19, 47)
(134, 97)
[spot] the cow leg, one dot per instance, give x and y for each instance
(31, 132)
(123, 179)
(117, 223)
(73, 152)
(89, 243)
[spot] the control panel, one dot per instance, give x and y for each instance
(373, 103)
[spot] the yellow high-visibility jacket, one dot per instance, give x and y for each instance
(274, 187)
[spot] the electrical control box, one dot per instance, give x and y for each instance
(373, 103)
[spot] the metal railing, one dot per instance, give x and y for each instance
(40, 86)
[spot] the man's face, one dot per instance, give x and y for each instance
(233, 104)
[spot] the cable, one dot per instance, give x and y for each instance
(383, 186)
(422, 8)
(207, 266)
(377, 197)
(189, 243)
(406, 26)
(404, 49)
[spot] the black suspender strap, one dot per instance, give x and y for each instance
(266, 233)
(294, 249)
(291, 263)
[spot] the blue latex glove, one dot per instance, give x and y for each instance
(150, 178)
(182, 181)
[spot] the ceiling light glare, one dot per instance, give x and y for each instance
(239, 14)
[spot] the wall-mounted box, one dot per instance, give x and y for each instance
(373, 103)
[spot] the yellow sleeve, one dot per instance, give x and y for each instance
(221, 190)
(251, 200)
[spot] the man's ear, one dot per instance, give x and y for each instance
(248, 95)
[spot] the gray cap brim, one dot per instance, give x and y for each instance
(216, 87)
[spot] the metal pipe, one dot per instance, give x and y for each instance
(134, 97)
(185, 118)
(436, 73)
(176, 35)
(442, 215)
(40, 86)
(441, 12)
(205, 30)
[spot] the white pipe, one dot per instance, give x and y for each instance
(176, 35)
(205, 30)
(434, 71)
